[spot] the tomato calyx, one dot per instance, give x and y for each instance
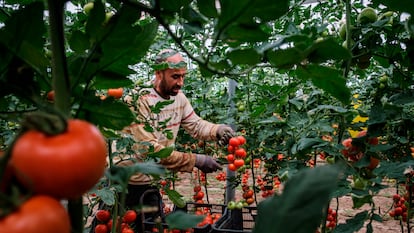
(48, 123)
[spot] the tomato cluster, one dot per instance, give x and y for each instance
(331, 219)
(400, 208)
(236, 153)
(267, 189)
(210, 218)
(105, 222)
(354, 153)
(198, 194)
(248, 195)
(221, 176)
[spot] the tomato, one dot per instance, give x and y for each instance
(250, 200)
(50, 95)
(116, 92)
(230, 158)
(127, 230)
(103, 215)
(199, 195)
(241, 139)
(197, 188)
(241, 153)
(238, 162)
(101, 228)
(37, 215)
(232, 167)
(63, 166)
(129, 216)
(234, 142)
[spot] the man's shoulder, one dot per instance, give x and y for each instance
(147, 93)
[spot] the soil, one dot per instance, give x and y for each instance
(383, 201)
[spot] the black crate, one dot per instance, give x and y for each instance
(236, 220)
(191, 208)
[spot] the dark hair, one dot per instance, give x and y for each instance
(164, 54)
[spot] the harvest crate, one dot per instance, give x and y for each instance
(191, 208)
(236, 220)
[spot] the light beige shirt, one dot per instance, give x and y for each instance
(170, 118)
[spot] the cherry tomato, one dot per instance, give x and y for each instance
(238, 162)
(63, 166)
(232, 167)
(241, 153)
(241, 139)
(234, 142)
(50, 95)
(103, 215)
(197, 188)
(116, 92)
(38, 214)
(101, 228)
(230, 158)
(130, 216)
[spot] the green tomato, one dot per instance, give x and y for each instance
(330, 159)
(360, 183)
(367, 15)
(239, 205)
(231, 205)
(88, 7)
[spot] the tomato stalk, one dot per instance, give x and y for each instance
(61, 86)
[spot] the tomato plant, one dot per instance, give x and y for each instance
(64, 165)
(38, 214)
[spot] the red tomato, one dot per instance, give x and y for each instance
(50, 95)
(241, 139)
(63, 166)
(241, 153)
(38, 214)
(103, 215)
(230, 158)
(197, 188)
(130, 216)
(127, 230)
(232, 167)
(116, 92)
(199, 195)
(234, 142)
(238, 162)
(101, 228)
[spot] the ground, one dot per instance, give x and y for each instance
(383, 201)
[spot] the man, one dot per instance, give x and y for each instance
(177, 111)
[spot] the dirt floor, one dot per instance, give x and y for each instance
(383, 201)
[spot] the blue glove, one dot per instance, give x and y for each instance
(206, 164)
(224, 133)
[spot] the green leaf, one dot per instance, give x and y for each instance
(108, 113)
(327, 50)
(108, 79)
(245, 33)
(207, 8)
(354, 224)
(79, 41)
(307, 143)
(181, 220)
(283, 58)
(328, 79)
(95, 20)
(106, 195)
(244, 56)
(175, 197)
(160, 105)
(173, 6)
(163, 153)
(23, 36)
(308, 191)
(150, 168)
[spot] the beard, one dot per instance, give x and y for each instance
(168, 91)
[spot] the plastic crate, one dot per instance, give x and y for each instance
(191, 208)
(236, 220)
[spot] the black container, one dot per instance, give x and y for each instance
(236, 220)
(190, 208)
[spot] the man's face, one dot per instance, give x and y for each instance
(170, 81)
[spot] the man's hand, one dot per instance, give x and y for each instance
(224, 133)
(206, 164)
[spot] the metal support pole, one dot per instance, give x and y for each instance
(230, 191)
